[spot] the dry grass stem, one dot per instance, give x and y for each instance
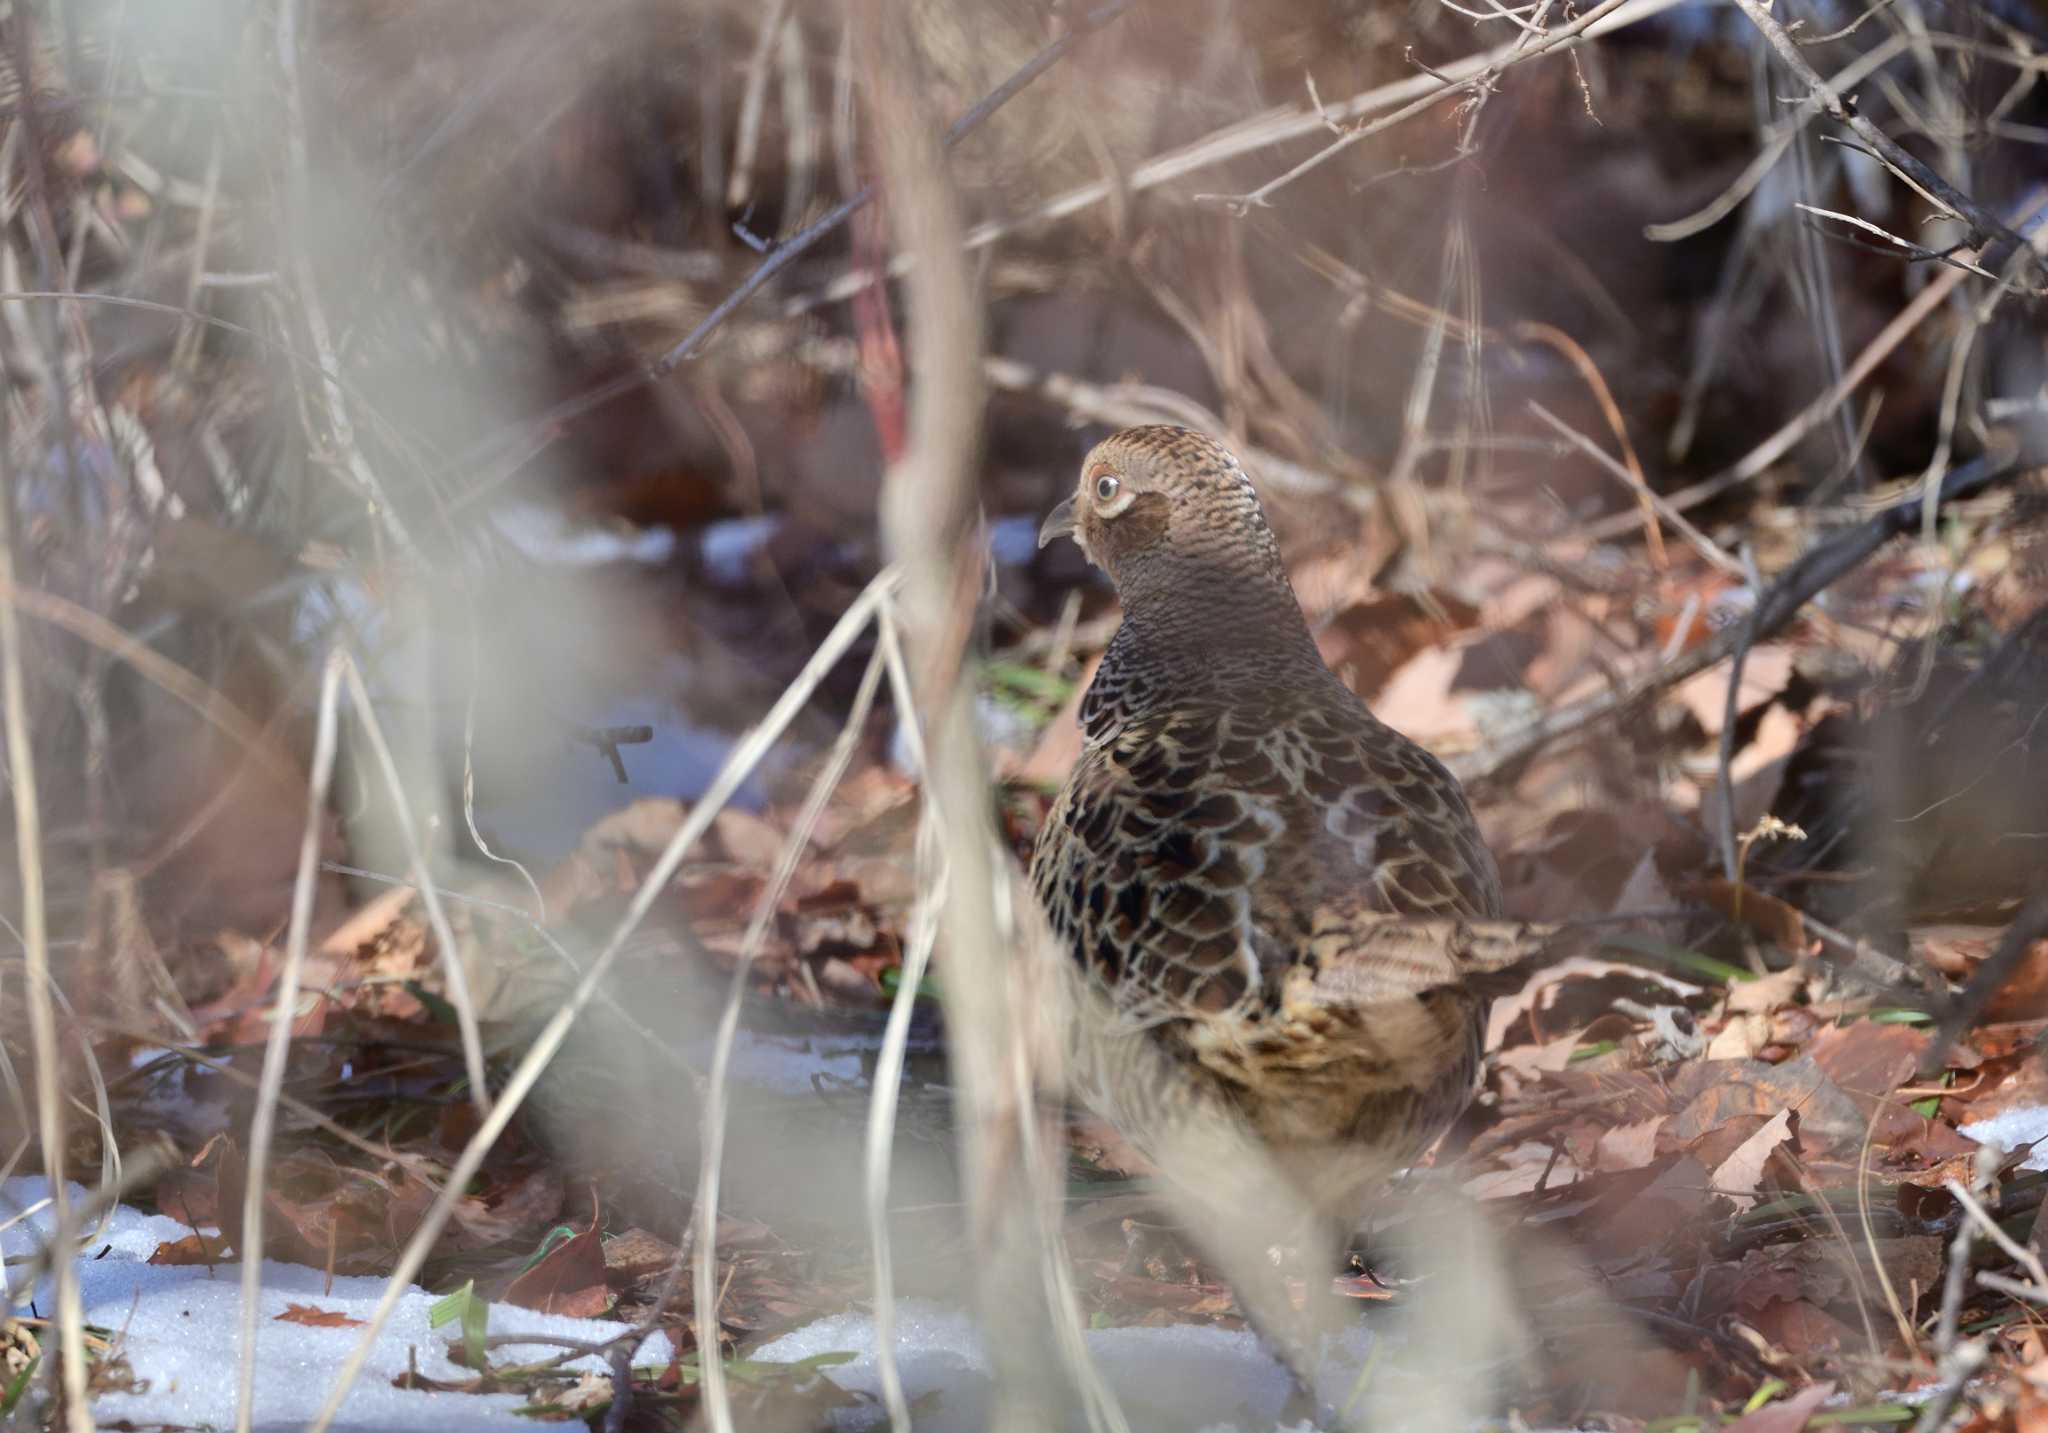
(285, 1011)
(452, 957)
(1652, 501)
(70, 1372)
(881, 1127)
(717, 1401)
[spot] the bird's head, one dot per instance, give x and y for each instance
(1162, 500)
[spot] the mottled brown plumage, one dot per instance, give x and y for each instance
(1272, 890)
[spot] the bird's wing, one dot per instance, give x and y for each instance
(1194, 858)
(1147, 864)
(1386, 828)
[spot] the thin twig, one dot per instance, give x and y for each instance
(1885, 238)
(176, 681)
(1989, 1227)
(1987, 231)
(1518, 51)
(454, 970)
(1705, 546)
(881, 1128)
(263, 1125)
(753, 99)
(716, 1401)
(2029, 925)
(1275, 126)
(28, 854)
(930, 520)
(1760, 458)
(1955, 1283)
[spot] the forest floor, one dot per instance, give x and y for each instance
(1701, 531)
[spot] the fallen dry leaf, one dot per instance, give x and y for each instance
(1369, 641)
(1740, 1038)
(1418, 699)
(317, 1318)
(1768, 916)
(200, 1249)
(1738, 1175)
(636, 1254)
(1538, 993)
(367, 924)
(570, 1279)
(1629, 1146)
(748, 839)
(1767, 992)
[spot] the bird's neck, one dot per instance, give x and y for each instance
(1195, 630)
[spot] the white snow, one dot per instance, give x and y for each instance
(548, 535)
(730, 545)
(178, 1328)
(1181, 1376)
(2009, 1129)
(788, 1064)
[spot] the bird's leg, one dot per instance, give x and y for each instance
(1295, 1346)
(1297, 1336)
(1157, 1251)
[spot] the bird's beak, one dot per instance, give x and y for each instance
(1058, 523)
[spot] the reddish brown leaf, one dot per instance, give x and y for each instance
(192, 1249)
(568, 1280)
(517, 1211)
(1868, 1060)
(317, 1318)
(1768, 916)
(1805, 1332)
(1376, 637)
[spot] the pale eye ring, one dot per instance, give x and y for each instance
(1106, 487)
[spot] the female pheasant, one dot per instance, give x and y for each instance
(1279, 899)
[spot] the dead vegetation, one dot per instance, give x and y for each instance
(1650, 398)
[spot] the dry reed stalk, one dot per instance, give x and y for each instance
(929, 504)
(28, 839)
(704, 1268)
(263, 1124)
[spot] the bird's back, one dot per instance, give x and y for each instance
(1224, 862)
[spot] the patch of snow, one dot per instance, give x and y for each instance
(730, 545)
(548, 535)
(1180, 1376)
(178, 1327)
(786, 1064)
(2009, 1129)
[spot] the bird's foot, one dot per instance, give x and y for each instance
(1303, 1409)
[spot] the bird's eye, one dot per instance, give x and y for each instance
(1106, 487)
